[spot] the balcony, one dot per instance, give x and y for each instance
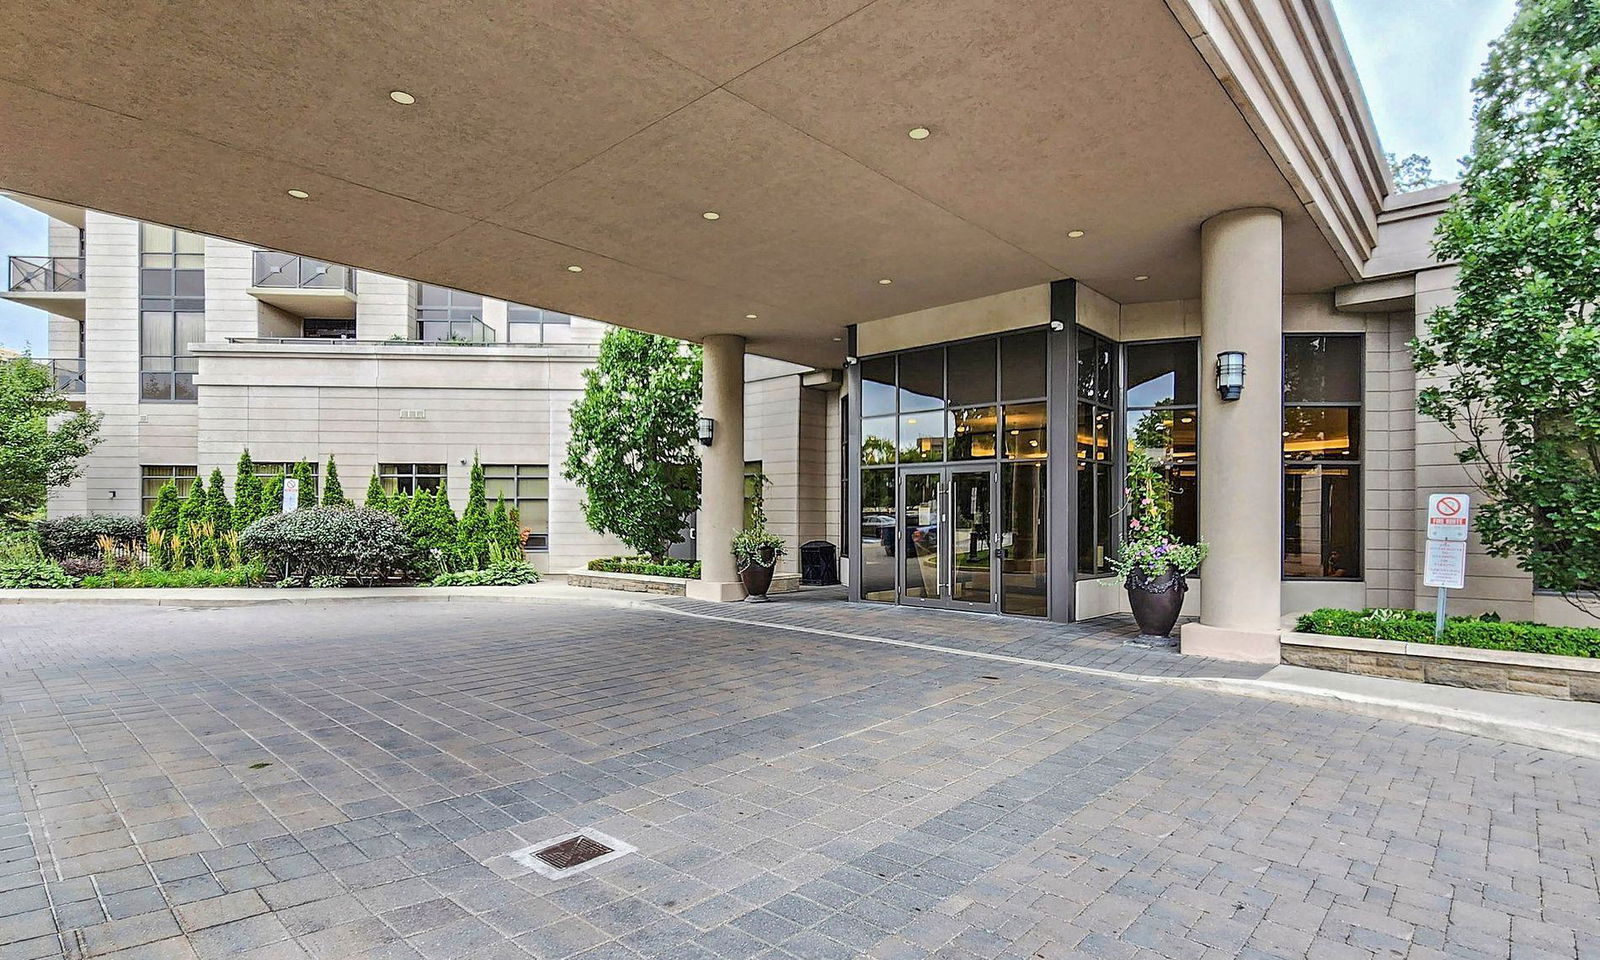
(302, 286)
(52, 284)
(68, 375)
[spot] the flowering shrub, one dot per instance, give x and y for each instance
(1150, 552)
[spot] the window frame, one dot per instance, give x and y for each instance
(1117, 468)
(514, 322)
(1356, 464)
(166, 310)
(514, 501)
(469, 311)
(388, 472)
(1126, 410)
(148, 500)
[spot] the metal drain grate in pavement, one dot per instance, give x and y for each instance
(571, 853)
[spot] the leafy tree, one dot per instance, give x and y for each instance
(218, 510)
(332, 489)
(376, 498)
(1412, 172)
(472, 533)
(308, 484)
(34, 455)
(632, 448)
(247, 493)
(1517, 356)
(272, 496)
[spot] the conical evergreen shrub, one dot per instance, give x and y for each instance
(332, 489)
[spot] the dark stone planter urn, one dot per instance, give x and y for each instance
(1156, 603)
(757, 577)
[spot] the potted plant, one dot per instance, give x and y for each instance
(756, 550)
(1152, 562)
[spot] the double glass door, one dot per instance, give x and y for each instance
(947, 537)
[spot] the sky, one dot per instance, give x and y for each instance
(1416, 59)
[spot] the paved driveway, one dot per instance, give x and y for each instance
(346, 780)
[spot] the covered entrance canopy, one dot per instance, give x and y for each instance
(599, 134)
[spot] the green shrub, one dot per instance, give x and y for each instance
(1482, 633)
(376, 498)
(33, 573)
(272, 496)
(682, 569)
(308, 484)
(218, 510)
(473, 533)
(359, 544)
(247, 493)
(332, 489)
(243, 575)
(79, 536)
(501, 573)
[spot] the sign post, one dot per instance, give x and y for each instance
(291, 494)
(1445, 566)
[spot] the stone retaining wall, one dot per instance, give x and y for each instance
(1540, 675)
(663, 586)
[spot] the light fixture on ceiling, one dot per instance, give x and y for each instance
(1141, 278)
(575, 269)
(402, 98)
(711, 215)
(299, 194)
(919, 133)
(885, 282)
(1074, 234)
(838, 339)
(749, 316)
(1057, 325)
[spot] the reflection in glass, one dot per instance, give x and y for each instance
(1024, 568)
(1321, 521)
(1163, 373)
(1023, 359)
(877, 440)
(1170, 437)
(922, 436)
(922, 380)
(919, 526)
(974, 434)
(1085, 515)
(1087, 368)
(877, 386)
(972, 372)
(971, 503)
(1322, 369)
(1321, 433)
(877, 535)
(1026, 438)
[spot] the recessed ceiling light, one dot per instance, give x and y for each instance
(885, 281)
(749, 316)
(402, 98)
(712, 215)
(1142, 278)
(838, 339)
(299, 194)
(920, 133)
(1074, 234)
(575, 268)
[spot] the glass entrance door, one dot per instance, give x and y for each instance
(947, 537)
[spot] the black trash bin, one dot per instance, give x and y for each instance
(819, 563)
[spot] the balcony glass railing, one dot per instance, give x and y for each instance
(68, 374)
(442, 330)
(290, 272)
(46, 275)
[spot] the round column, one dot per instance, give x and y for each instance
(721, 468)
(1241, 484)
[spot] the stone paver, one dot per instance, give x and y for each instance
(333, 781)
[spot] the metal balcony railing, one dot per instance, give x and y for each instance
(290, 272)
(68, 374)
(440, 330)
(46, 275)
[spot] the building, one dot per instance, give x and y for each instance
(196, 348)
(1007, 222)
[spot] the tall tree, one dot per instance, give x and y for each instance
(218, 510)
(472, 533)
(1517, 356)
(376, 499)
(332, 489)
(633, 435)
(247, 492)
(34, 454)
(1412, 172)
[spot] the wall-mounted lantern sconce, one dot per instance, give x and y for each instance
(1230, 374)
(706, 427)
(1057, 326)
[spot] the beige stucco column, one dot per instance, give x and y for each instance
(721, 469)
(1241, 308)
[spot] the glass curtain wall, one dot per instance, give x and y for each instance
(1163, 420)
(1322, 377)
(1098, 476)
(172, 311)
(977, 402)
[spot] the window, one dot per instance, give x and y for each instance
(526, 324)
(527, 491)
(153, 478)
(172, 305)
(1322, 379)
(1163, 421)
(753, 476)
(445, 314)
(317, 328)
(1096, 454)
(410, 477)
